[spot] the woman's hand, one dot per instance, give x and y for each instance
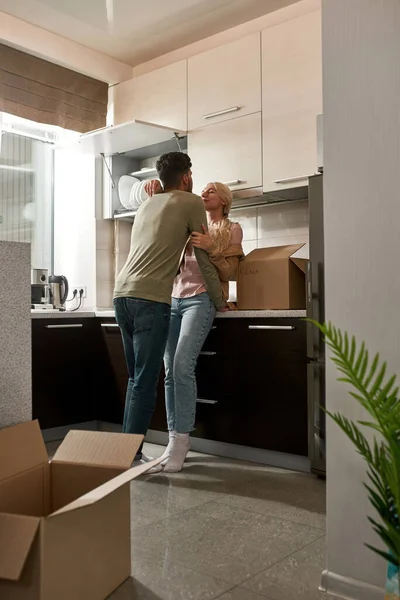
(202, 240)
(153, 186)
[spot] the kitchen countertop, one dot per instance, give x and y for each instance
(262, 314)
(56, 314)
(234, 314)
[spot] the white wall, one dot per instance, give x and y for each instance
(74, 221)
(361, 62)
(273, 225)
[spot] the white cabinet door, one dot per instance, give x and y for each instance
(225, 82)
(229, 152)
(158, 97)
(292, 99)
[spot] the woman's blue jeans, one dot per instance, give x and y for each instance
(191, 321)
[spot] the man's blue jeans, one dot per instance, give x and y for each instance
(144, 326)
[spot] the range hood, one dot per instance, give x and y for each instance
(250, 198)
(253, 197)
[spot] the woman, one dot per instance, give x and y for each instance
(192, 315)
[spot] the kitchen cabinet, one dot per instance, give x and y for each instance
(112, 386)
(251, 380)
(216, 375)
(225, 82)
(111, 400)
(63, 371)
(158, 97)
(229, 152)
(292, 99)
(273, 385)
(217, 379)
(251, 385)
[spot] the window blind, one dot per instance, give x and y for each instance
(41, 91)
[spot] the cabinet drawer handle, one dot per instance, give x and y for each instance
(69, 326)
(214, 327)
(109, 324)
(218, 113)
(203, 401)
(207, 353)
(233, 182)
(292, 179)
(273, 327)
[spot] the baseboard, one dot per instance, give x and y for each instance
(349, 589)
(105, 426)
(256, 455)
(54, 434)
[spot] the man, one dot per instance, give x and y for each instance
(142, 295)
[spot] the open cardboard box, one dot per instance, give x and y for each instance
(273, 278)
(65, 524)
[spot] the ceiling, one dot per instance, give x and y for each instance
(134, 31)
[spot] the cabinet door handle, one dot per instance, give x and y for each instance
(65, 326)
(214, 327)
(218, 113)
(203, 401)
(292, 179)
(273, 327)
(109, 325)
(233, 182)
(207, 353)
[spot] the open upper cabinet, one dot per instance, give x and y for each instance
(128, 149)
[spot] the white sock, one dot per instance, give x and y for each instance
(146, 459)
(167, 452)
(168, 449)
(141, 461)
(179, 451)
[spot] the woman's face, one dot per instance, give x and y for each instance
(212, 201)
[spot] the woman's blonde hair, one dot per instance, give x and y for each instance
(220, 232)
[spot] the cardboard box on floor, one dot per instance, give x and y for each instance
(65, 524)
(273, 278)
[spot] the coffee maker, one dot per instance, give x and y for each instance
(40, 291)
(58, 291)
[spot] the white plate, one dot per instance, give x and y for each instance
(133, 205)
(142, 196)
(125, 185)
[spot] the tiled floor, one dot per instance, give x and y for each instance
(226, 529)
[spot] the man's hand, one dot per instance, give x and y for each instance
(202, 240)
(152, 187)
(225, 309)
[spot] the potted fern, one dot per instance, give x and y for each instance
(379, 396)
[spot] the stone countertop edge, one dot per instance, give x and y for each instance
(234, 314)
(67, 314)
(238, 314)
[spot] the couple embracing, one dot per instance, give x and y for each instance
(184, 251)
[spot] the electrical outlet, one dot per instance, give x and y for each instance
(78, 287)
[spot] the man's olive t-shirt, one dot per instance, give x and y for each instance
(162, 227)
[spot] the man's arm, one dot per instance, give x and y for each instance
(212, 283)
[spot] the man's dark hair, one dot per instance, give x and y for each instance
(171, 167)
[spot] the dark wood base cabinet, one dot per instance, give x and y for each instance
(63, 374)
(251, 379)
(251, 385)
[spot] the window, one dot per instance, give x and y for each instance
(26, 186)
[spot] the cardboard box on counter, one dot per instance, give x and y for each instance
(273, 279)
(65, 524)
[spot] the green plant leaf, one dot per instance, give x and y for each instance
(385, 555)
